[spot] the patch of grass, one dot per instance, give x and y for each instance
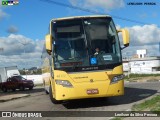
(39, 85)
(117, 118)
(135, 77)
(156, 108)
(141, 75)
(152, 104)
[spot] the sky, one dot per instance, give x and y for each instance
(28, 22)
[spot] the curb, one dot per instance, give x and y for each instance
(6, 98)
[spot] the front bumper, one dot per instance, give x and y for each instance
(79, 90)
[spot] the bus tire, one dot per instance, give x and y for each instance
(45, 88)
(53, 100)
(46, 92)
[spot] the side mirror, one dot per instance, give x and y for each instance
(48, 42)
(125, 36)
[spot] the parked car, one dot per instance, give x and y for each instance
(16, 82)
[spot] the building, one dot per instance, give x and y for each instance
(142, 64)
(141, 53)
(145, 65)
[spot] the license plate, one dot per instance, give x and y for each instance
(92, 91)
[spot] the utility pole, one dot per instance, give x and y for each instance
(24, 44)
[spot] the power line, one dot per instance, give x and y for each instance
(92, 11)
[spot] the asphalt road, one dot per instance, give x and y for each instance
(39, 101)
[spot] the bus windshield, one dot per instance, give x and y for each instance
(85, 42)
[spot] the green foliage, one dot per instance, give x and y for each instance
(156, 108)
(31, 72)
(148, 104)
(117, 118)
(22, 72)
(141, 75)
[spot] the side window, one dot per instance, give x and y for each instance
(9, 79)
(14, 79)
(112, 39)
(115, 41)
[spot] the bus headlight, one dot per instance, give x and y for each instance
(117, 78)
(64, 83)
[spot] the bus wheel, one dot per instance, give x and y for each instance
(51, 96)
(46, 92)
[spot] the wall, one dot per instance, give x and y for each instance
(126, 67)
(142, 66)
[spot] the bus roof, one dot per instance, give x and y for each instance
(76, 17)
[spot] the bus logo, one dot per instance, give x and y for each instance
(91, 80)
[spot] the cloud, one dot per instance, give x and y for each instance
(13, 44)
(106, 5)
(154, 14)
(12, 29)
(74, 2)
(143, 37)
(118, 26)
(143, 15)
(2, 14)
(13, 51)
(152, 50)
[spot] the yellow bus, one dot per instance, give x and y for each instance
(82, 58)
